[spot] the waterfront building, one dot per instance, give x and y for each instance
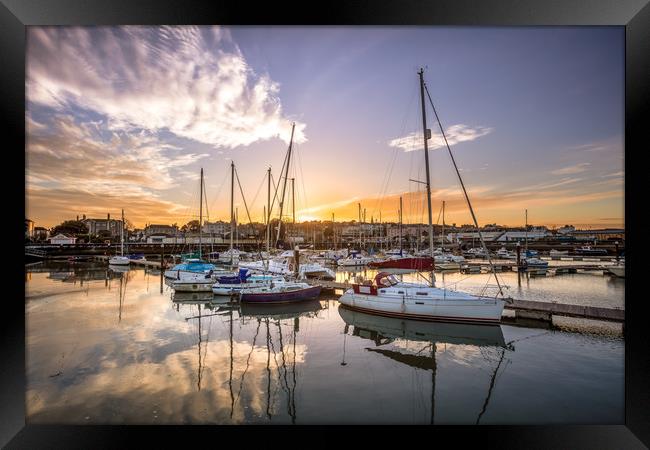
(95, 226)
(62, 239)
(158, 230)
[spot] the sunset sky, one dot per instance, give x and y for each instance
(126, 117)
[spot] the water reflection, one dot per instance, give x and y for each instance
(385, 330)
(120, 352)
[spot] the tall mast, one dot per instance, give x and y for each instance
(122, 236)
(201, 213)
(268, 212)
(427, 135)
(232, 204)
(284, 185)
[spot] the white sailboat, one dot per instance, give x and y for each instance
(390, 297)
(120, 260)
(194, 275)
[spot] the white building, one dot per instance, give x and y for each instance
(62, 239)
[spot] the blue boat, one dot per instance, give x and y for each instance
(190, 266)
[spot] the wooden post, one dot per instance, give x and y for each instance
(518, 256)
(296, 257)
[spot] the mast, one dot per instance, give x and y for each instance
(201, 213)
(232, 203)
(122, 236)
(284, 185)
(427, 135)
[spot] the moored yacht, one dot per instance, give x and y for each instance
(390, 297)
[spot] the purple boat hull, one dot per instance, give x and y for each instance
(282, 297)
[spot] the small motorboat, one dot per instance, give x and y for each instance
(354, 259)
(588, 250)
(558, 253)
(234, 285)
(617, 270)
(534, 262)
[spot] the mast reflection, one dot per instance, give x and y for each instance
(279, 315)
(385, 330)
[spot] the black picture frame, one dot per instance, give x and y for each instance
(634, 15)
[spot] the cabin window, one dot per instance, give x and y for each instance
(382, 291)
(421, 293)
(400, 292)
(419, 303)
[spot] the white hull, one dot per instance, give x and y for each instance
(119, 260)
(439, 304)
(192, 286)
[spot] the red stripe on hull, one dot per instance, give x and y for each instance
(420, 317)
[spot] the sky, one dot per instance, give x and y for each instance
(126, 117)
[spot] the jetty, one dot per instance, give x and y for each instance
(526, 308)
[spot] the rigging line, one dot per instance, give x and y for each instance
(223, 182)
(471, 210)
(383, 188)
(302, 178)
(258, 192)
(250, 221)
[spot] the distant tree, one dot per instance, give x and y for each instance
(70, 227)
(191, 226)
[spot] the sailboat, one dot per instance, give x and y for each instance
(120, 260)
(530, 256)
(194, 275)
(284, 263)
(390, 297)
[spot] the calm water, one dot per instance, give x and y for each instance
(111, 347)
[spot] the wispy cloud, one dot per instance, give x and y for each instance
(72, 168)
(455, 134)
(192, 81)
(576, 168)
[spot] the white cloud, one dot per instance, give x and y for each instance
(577, 168)
(192, 81)
(455, 134)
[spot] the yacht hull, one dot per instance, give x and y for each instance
(470, 310)
(281, 297)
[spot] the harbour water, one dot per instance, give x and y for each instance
(118, 347)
